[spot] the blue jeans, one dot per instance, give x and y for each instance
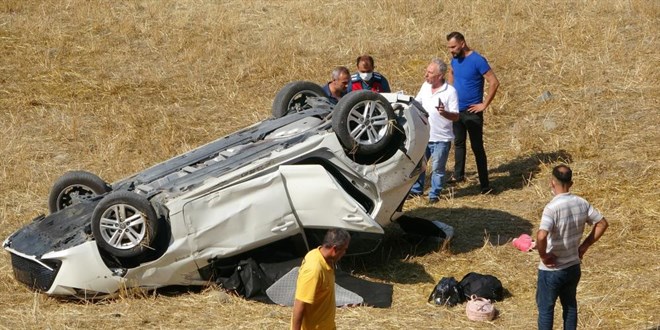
(563, 284)
(438, 152)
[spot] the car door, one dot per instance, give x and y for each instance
(320, 202)
(240, 218)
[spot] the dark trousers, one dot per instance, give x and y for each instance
(560, 284)
(472, 124)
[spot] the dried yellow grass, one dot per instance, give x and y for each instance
(115, 87)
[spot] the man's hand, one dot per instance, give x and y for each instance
(596, 232)
(582, 250)
(549, 259)
(453, 116)
(476, 108)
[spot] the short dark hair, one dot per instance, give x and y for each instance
(563, 174)
(336, 237)
(455, 35)
(366, 58)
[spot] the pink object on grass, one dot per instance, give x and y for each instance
(524, 243)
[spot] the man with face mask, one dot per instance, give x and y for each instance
(558, 243)
(366, 78)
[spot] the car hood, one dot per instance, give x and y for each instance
(58, 231)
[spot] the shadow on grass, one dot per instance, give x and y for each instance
(389, 262)
(473, 227)
(517, 172)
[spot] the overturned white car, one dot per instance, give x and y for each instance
(275, 186)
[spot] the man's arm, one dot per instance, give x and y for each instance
(386, 85)
(493, 84)
(298, 310)
(453, 116)
(449, 110)
(596, 232)
(548, 259)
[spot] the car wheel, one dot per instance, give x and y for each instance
(364, 123)
(293, 97)
(74, 187)
(124, 224)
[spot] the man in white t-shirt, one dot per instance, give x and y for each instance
(439, 99)
(558, 242)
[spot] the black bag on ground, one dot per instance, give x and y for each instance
(248, 280)
(447, 292)
(484, 286)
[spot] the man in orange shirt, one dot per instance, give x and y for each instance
(314, 306)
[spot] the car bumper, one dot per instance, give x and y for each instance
(77, 271)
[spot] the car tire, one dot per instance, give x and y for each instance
(364, 123)
(124, 224)
(74, 187)
(293, 97)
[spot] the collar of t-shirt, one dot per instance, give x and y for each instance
(440, 89)
(562, 195)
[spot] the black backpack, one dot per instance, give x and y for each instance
(447, 292)
(484, 286)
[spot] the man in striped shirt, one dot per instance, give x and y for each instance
(558, 243)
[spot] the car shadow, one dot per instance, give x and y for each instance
(473, 228)
(517, 173)
(389, 262)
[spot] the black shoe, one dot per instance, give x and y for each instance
(453, 180)
(487, 190)
(433, 200)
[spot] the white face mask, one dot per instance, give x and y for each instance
(366, 76)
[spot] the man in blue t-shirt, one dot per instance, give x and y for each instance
(336, 88)
(469, 69)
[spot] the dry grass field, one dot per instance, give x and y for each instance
(113, 87)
